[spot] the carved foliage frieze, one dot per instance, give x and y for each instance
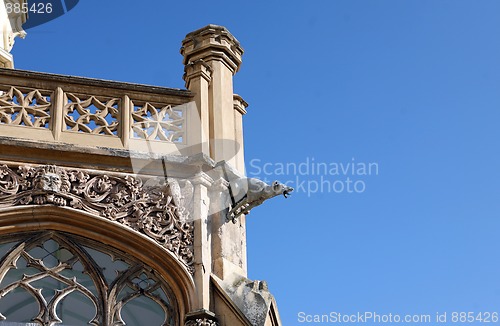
(201, 322)
(148, 208)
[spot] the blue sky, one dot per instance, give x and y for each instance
(412, 86)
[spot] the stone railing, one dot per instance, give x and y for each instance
(90, 112)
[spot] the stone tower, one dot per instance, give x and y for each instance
(114, 198)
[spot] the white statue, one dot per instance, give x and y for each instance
(12, 19)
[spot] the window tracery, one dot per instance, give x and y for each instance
(53, 278)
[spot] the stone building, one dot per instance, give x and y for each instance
(114, 197)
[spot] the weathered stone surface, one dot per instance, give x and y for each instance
(251, 297)
(148, 208)
(201, 317)
(135, 167)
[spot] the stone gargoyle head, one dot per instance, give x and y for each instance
(281, 189)
(251, 192)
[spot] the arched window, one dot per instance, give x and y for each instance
(55, 278)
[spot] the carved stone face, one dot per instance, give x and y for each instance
(48, 182)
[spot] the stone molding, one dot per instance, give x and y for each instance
(201, 322)
(240, 104)
(146, 207)
(201, 318)
(212, 42)
(198, 68)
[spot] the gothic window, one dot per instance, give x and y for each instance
(53, 278)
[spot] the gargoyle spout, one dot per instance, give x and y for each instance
(248, 193)
(287, 191)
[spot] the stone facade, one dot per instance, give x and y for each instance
(112, 193)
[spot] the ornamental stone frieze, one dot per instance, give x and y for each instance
(201, 322)
(148, 206)
(201, 318)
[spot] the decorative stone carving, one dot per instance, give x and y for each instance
(91, 115)
(164, 123)
(248, 193)
(201, 317)
(201, 322)
(213, 42)
(182, 196)
(149, 209)
(16, 19)
(28, 108)
(48, 180)
(115, 112)
(251, 297)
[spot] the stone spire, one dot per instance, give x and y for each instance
(212, 56)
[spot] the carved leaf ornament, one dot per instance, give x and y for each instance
(148, 209)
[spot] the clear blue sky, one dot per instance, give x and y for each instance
(412, 85)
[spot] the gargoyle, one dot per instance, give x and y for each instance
(247, 193)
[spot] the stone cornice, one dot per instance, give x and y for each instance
(220, 185)
(197, 69)
(102, 158)
(212, 42)
(240, 104)
(201, 317)
(41, 77)
(203, 179)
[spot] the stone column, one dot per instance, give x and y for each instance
(239, 111)
(228, 238)
(220, 50)
(197, 75)
(212, 56)
(202, 239)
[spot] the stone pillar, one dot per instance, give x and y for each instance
(197, 76)
(215, 46)
(202, 239)
(212, 56)
(239, 111)
(228, 238)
